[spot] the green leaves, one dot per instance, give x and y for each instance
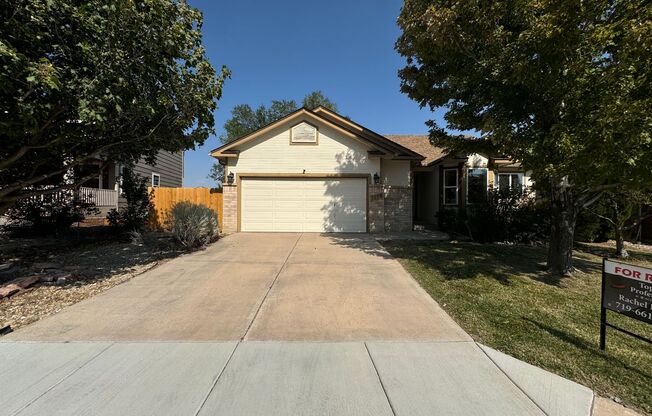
(563, 87)
(112, 79)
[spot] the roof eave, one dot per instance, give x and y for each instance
(395, 148)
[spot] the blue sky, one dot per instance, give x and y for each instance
(285, 49)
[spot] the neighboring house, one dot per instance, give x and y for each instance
(104, 190)
(317, 171)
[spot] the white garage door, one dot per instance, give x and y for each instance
(304, 205)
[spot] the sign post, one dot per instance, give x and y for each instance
(626, 289)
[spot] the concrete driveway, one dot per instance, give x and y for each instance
(294, 287)
(270, 324)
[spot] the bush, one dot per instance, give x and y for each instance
(508, 215)
(139, 206)
(49, 213)
(193, 225)
(590, 227)
(453, 221)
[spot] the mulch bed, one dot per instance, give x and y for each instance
(40, 276)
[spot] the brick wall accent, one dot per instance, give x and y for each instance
(390, 208)
(230, 209)
(398, 208)
(376, 209)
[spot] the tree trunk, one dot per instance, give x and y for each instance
(620, 244)
(562, 231)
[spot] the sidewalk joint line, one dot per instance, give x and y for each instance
(382, 385)
(64, 378)
(269, 289)
(217, 378)
(510, 379)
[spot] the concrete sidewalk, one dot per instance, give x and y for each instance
(264, 378)
(270, 324)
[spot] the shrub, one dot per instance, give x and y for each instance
(48, 213)
(590, 227)
(193, 225)
(508, 215)
(139, 206)
(453, 221)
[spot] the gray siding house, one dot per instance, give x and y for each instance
(168, 170)
(104, 190)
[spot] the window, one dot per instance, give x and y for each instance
(510, 181)
(476, 185)
(156, 180)
(303, 133)
(450, 186)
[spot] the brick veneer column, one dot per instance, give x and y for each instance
(398, 208)
(230, 209)
(376, 209)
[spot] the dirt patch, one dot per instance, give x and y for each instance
(88, 266)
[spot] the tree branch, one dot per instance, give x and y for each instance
(4, 164)
(23, 184)
(38, 192)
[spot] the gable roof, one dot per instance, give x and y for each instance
(421, 145)
(358, 129)
(333, 120)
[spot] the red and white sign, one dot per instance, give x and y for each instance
(629, 271)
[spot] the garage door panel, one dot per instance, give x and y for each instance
(304, 205)
(291, 205)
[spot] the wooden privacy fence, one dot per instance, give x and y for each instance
(165, 198)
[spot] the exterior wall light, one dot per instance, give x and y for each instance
(230, 178)
(376, 178)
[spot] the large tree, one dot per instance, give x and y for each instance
(245, 120)
(562, 86)
(98, 80)
(316, 99)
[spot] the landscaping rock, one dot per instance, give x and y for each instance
(47, 278)
(28, 281)
(73, 268)
(9, 290)
(46, 265)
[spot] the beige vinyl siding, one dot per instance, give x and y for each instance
(395, 172)
(476, 160)
(168, 165)
(334, 153)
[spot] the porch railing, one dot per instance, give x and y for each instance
(99, 197)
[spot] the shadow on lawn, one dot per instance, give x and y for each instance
(587, 347)
(455, 260)
(362, 242)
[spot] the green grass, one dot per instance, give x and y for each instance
(502, 296)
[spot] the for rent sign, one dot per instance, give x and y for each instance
(626, 289)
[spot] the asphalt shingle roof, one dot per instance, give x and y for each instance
(420, 144)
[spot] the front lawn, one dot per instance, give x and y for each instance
(502, 296)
